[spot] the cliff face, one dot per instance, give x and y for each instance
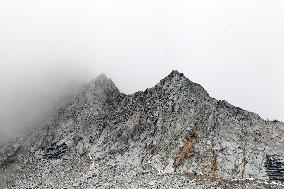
(173, 135)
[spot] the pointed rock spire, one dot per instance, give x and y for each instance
(103, 83)
(177, 81)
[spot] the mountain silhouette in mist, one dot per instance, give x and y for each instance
(173, 135)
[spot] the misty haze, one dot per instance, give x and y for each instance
(161, 87)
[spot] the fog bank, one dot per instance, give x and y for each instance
(234, 49)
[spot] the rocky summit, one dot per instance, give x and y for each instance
(173, 135)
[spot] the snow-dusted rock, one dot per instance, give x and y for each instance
(173, 135)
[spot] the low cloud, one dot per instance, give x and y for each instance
(234, 49)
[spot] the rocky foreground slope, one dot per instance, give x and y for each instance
(173, 135)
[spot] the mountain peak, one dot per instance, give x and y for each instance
(100, 88)
(102, 82)
(175, 73)
(179, 82)
(101, 77)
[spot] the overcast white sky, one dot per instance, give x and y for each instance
(234, 49)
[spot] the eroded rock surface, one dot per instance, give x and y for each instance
(173, 135)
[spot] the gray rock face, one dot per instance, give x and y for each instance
(173, 135)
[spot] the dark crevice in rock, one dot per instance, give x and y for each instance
(55, 151)
(274, 167)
